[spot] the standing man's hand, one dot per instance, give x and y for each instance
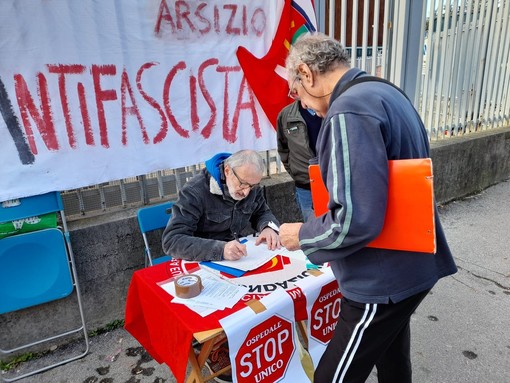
(233, 251)
(289, 235)
(269, 236)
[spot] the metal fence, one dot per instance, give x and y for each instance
(466, 73)
(141, 190)
(460, 79)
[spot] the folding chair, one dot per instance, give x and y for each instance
(153, 218)
(37, 267)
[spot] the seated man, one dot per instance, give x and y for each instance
(213, 210)
(216, 206)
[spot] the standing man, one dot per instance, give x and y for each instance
(364, 126)
(297, 131)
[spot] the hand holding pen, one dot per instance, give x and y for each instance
(235, 249)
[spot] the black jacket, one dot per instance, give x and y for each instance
(205, 216)
(293, 144)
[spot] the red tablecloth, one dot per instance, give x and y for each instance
(166, 330)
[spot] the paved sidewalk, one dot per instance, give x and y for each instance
(461, 332)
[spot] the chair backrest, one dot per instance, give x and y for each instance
(152, 218)
(30, 214)
(34, 265)
(30, 206)
(34, 269)
(37, 266)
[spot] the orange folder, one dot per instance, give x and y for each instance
(409, 223)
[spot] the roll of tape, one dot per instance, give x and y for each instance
(188, 286)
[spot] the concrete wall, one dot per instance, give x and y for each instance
(109, 248)
(467, 165)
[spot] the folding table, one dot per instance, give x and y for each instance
(166, 330)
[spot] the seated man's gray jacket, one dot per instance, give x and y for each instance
(205, 216)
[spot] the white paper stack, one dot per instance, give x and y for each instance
(218, 293)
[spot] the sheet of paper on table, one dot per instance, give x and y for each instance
(218, 293)
(258, 255)
(296, 254)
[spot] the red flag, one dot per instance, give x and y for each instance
(270, 88)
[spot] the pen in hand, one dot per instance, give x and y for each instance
(235, 250)
(244, 240)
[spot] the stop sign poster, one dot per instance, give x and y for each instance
(323, 300)
(263, 346)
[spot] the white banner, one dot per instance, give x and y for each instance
(323, 300)
(99, 90)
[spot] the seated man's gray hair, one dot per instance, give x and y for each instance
(244, 157)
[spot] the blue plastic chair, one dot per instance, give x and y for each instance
(153, 218)
(37, 267)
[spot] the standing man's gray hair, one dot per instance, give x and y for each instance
(244, 157)
(319, 51)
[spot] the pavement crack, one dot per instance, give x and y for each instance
(479, 266)
(462, 283)
(501, 286)
(491, 280)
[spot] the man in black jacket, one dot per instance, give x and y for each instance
(297, 131)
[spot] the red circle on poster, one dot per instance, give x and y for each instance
(266, 352)
(325, 312)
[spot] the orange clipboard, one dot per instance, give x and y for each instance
(409, 223)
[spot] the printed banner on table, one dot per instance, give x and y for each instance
(323, 300)
(281, 272)
(100, 90)
(263, 346)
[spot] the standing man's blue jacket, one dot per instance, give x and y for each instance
(367, 125)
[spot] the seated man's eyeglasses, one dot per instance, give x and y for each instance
(242, 184)
(293, 91)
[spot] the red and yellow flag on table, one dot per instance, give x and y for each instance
(267, 75)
